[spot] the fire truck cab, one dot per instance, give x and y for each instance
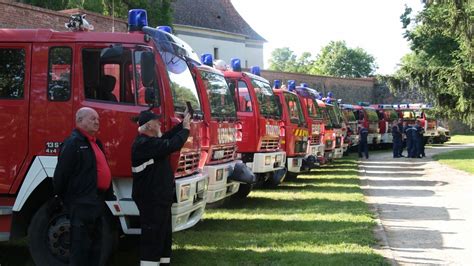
(315, 118)
(259, 115)
(296, 131)
(337, 126)
(352, 125)
(220, 133)
(421, 112)
(368, 118)
(387, 115)
(46, 76)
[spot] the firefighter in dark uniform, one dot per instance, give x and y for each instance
(397, 140)
(420, 144)
(82, 181)
(410, 132)
(363, 144)
(153, 184)
(404, 141)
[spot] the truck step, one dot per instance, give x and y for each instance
(5, 210)
(5, 220)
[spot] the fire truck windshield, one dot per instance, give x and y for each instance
(220, 97)
(294, 108)
(349, 115)
(314, 111)
(266, 99)
(183, 87)
(372, 115)
(391, 114)
(333, 116)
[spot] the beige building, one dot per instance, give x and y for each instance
(215, 27)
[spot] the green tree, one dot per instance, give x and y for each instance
(441, 62)
(336, 59)
(284, 59)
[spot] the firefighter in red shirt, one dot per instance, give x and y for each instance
(153, 184)
(82, 180)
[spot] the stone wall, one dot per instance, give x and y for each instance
(22, 16)
(350, 90)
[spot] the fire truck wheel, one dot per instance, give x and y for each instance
(49, 237)
(243, 192)
(430, 140)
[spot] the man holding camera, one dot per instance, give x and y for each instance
(154, 184)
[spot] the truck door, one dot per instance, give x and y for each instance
(50, 97)
(14, 97)
(246, 112)
(112, 86)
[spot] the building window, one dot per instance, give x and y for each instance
(59, 73)
(216, 53)
(12, 73)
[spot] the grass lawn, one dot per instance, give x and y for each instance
(319, 219)
(466, 138)
(460, 159)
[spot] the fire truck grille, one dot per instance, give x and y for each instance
(269, 144)
(315, 140)
(188, 162)
(223, 154)
(300, 146)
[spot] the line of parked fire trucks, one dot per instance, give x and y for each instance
(241, 125)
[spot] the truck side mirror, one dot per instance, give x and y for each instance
(147, 66)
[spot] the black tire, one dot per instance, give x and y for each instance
(442, 139)
(243, 192)
(49, 237)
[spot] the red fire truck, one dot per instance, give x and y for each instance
(296, 131)
(352, 125)
(368, 118)
(315, 116)
(219, 138)
(387, 115)
(45, 77)
(421, 112)
(338, 127)
(329, 137)
(260, 124)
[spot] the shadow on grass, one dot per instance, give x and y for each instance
(225, 256)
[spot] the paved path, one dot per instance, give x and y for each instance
(425, 208)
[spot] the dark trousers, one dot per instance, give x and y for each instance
(411, 147)
(155, 240)
(86, 233)
(363, 148)
(397, 147)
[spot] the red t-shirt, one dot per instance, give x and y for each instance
(104, 177)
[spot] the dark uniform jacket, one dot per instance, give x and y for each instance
(363, 133)
(396, 132)
(75, 176)
(153, 178)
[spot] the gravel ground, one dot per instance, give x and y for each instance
(425, 209)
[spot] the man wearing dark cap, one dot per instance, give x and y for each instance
(154, 185)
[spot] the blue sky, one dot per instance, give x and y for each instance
(307, 26)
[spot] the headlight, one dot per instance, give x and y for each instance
(219, 175)
(185, 192)
(201, 185)
(268, 160)
(278, 158)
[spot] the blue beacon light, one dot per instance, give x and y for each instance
(235, 64)
(304, 85)
(137, 19)
(277, 84)
(206, 59)
(291, 85)
(255, 70)
(165, 29)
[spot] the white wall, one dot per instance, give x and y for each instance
(229, 45)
